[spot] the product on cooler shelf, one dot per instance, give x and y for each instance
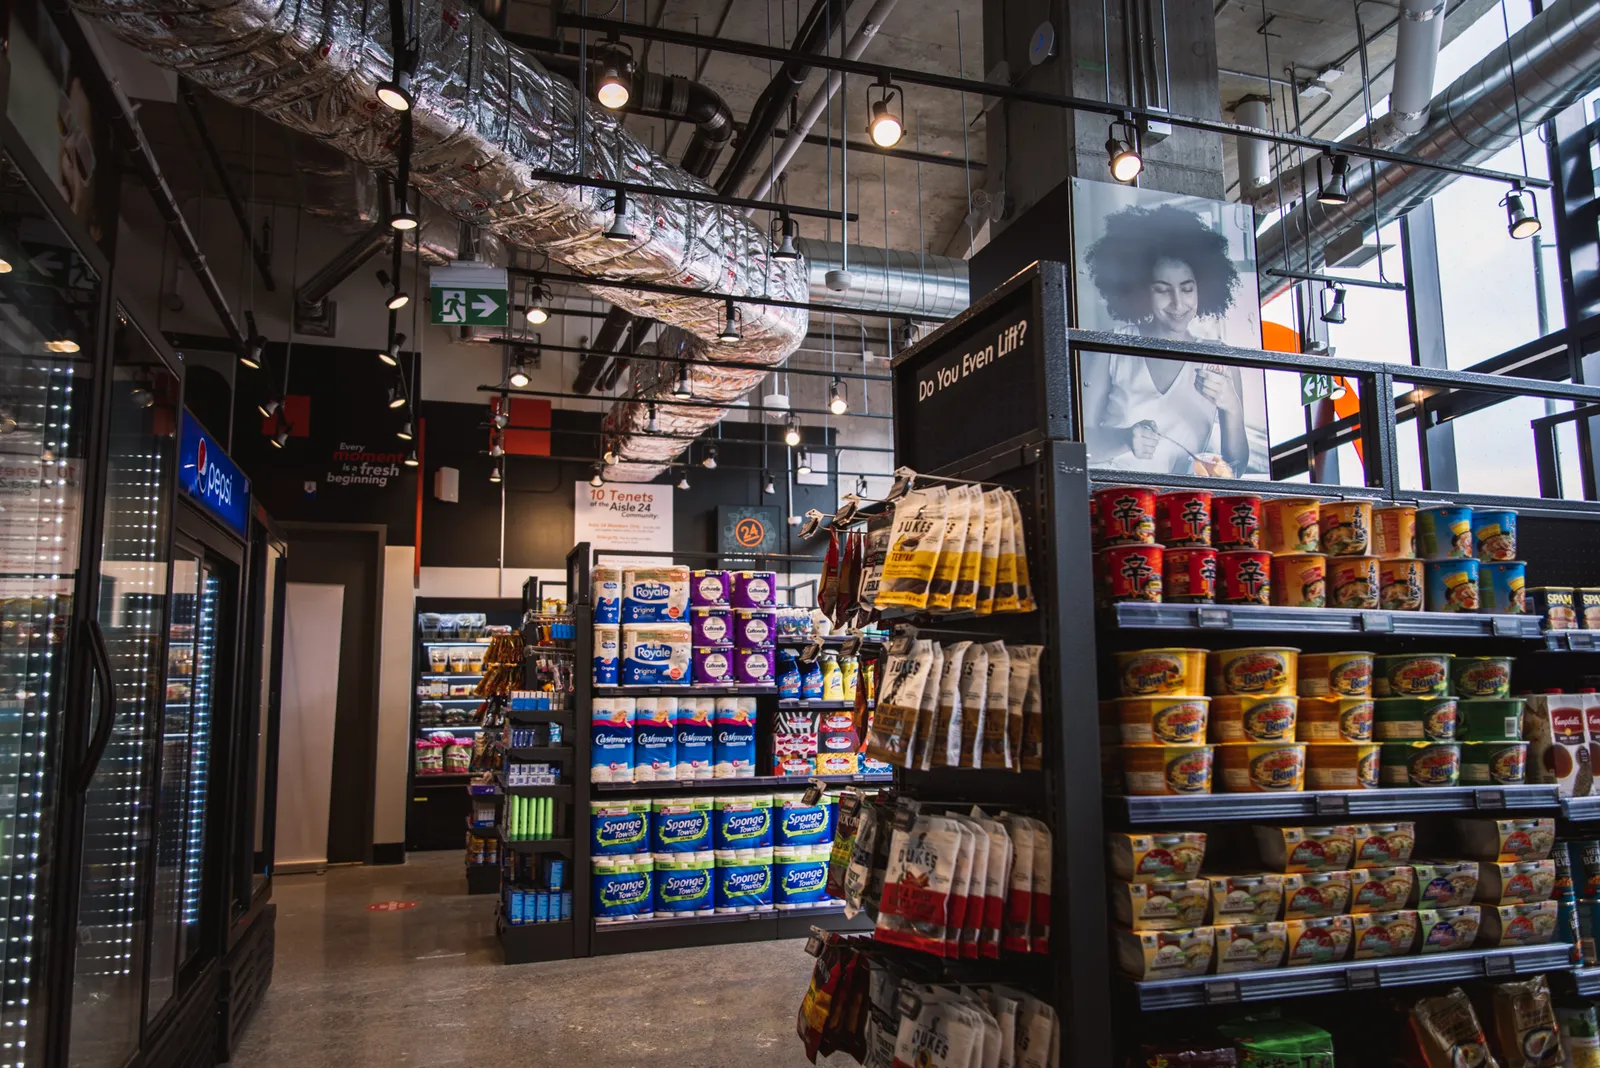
(1189, 575)
(1481, 676)
(655, 595)
(1335, 674)
(1334, 719)
(623, 888)
(1167, 769)
(1516, 882)
(680, 824)
(1494, 534)
(1260, 671)
(1346, 527)
(1147, 672)
(1131, 573)
(1378, 935)
(1445, 884)
(1411, 675)
(1557, 606)
(753, 589)
(1448, 930)
(1170, 720)
(1502, 586)
(655, 739)
(1292, 525)
(1383, 844)
(1400, 584)
(1250, 947)
(656, 654)
(1236, 522)
(1317, 940)
(1525, 1029)
(1518, 925)
(1162, 906)
(1419, 764)
(799, 875)
(1520, 839)
(1158, 856)
(1305, 849)
(607, 649)
(1494, 763)
(1269, 767)
(1127, 515)
(1558, 742)
(1246, 898)
(1183, 518)
(1342, 766)
(796, 824)
(753, 667)
(1314, 895)
(1177, 954)
(1444, 533)
(611, 744)
(1415, 719)
(684, 884)
(1589, 607)
(735, 741)
(1451, 585)
(1381, 889)
(1394, 531)
(1237, 718)
(1447, 1032)
(754, 628)
(605, 584)
(1244, 576)
(1579, 1026)
(1300, 580)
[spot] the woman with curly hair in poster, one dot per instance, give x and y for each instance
(1163, 273)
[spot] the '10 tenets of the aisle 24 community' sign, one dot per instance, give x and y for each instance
(623, 516)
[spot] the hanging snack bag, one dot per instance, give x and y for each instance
(913, 549)
(1032, 710)
(989, 561)
(996, 881)
(1448, 1033)
(947, 719)
(972, 921)
(957, 513)
(940, 1034)
(1025, 601)
(915, 910)
(1005, 582)
(1525, 1033)
(1022, 666)
(960, 887)
(994, 751)
(851, 805)
(967, 745)
(895, 717)
(858, 873)
(1039, 906)
(965, 598)
(1015, 935)
(922, 738)
(874, 551)
(1038, 1034)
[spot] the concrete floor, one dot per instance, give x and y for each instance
(360, 989)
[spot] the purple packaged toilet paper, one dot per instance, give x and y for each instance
(753, 628)
(752, 667)
(708, 589)
(711, 626)
(713, 665)
(754, 589)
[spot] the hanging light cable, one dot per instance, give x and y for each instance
(1522, 209)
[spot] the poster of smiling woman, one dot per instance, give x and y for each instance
(1166, 266)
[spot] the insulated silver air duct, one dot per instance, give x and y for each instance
(486, 116)
(1416, 57)
(907, 283)
(1557, 61)
(1255, 160)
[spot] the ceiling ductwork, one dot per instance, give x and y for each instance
(486, 115)
(887, 280)
(1556, 57)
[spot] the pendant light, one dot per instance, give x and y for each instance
(803, 464)
(788, 229)
(402, 217)
(391, 355)
(791, 431)
(1333, 304)
(654, 426)
(538, 314)
(411, 459)
(254, 353)
(683, 390)
(1122, 151)
(494, 473)
(730, 327)
(710, 462)
(397, 298)
(683, 479)
(767, 488)
(1336, 189)
(615, 86)
(269, 407)
(883, 125)
(619, 230)
(281, 438)
(597, 479)
(397, 398)
(837, 402)
(405, 432)
(1522, 213)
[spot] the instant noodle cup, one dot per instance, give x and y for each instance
(1394, 531)
(1400, 583)
(1162, 856)
(1446, 884)
(1158, 672)
(1260, 671)
(1379, 935)
(1190, 576)
(1500, 763)
(1444, 533)
(1306, 849)
(1517, 882)
(1556, 605)
(1494, 534)
(1316, 894)
(1262, 767)
(1414, 719)
(1346, 527)
(1502, 586)
(1131, 573)
(1183, 518)
(1480, 676)
(1245, 577)
(1452, 585)
(1411, 675)
(1448, 930)
(1489, 719)
(1166, 720)
(1127, 515)
(1381, 889)
(1291, 525)
(1419, 764)
(1334, 719)
(1300, 580)
(1246, 898)
(1236, 522)
(1518, 925)
(1165, 905)
(1156, 770)
(1155, 955)
(1325, 940)
(1238, 718)
(1250, 947)
(1342, 766)
(1353, 582)
(1336, 674)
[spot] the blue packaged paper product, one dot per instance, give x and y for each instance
(696, 737)
(619, 828)
(555, 872)
(743, 882)
(735, 738)
(794, 823)
(684, 883)
(788, 673)
(655, 654)
(799, 875)
(742, 823)
(607, 650)
(611, 743)
(811, 680)
(605, 589)
(624, 888)
(680, 824)
(541, 908)
(655, 739)
(655, 595)
(566, 904)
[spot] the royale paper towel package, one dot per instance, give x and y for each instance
(684, 884)
(655, 595)
(655, 739)
(735, 738)
(743, 880)
(607, 649)
(611, 746)
(741, 823)
(696, 737)
(623, 888)
(619, 828)
(655, 654)
(605, 588)
(680, 824)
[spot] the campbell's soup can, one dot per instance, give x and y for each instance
(1236, 522)
(1127, 515)
(1132, 573)
(1394, 531)
(1300, 580)
(1244, 577)
(1189, 576)
(1292, 524)
(1400, 584)
(1183, 518)
(1353, 582)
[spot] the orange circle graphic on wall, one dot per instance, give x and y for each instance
(749, 532)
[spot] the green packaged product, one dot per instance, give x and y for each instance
(1580, 1035)
(1494, 763)
(1419, 764)
(1489, 719)
(1480, 676)
(1414, 719)
(1279, 1043)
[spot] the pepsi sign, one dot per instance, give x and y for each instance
(211, 479)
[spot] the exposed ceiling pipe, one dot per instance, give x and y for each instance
(1556, 57)
(819, 100)
(1416, 57)
(312, 312)
(485, 115)
(1255, 160)
(906, 283)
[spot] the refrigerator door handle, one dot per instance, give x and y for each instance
(108, 709)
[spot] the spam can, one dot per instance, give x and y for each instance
(1353, 582)
(1189, 575)
(1127, 515)
(1236, 522)
(1394, 531)
(1132, 573)
(1268, 767)
(1400, 583)
(1589, 608)
(1300, 580)
(1444, 533)
(1183, 518)
(1501, 586)
(1419, 764)
(1244, 577)
(1452, 585)
(1494, 534)
(1411, 675)
(1334, 719)
(1291, 525)
(1556, 605)
(1346, 527)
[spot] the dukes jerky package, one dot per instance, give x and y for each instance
(989, 554)
(974, 696)
(850, 808)
(945, 751)
(1005, 580)
(972, 906)
(1038, 1033)
(894, 721)
(996, 752)
(874, 548)
(965, 598)
(917, 756)
(1448, 1034)
(946, 571)
(1525, 1031)
(1014, 934)
(917, 884)
(1039, 906)
(939, 1034)
(1025, 601)
(996, 882)
(913, 549)
(960, 887)
(1032, 704)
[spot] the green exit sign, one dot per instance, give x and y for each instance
(1314, 388)
(468, 294)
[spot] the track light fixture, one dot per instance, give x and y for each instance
(402, 217)
(281, 438)
(501, 418)
(791, 431)
(269, 407)
(496, 449)
(254, 353)
(1333, 304)
(1522, 213)
(710, 462)
(619, 230)
(538, 314)
(803, 464)
(683, 390)
(494, 473)
(883, 125)
(655, 424)
(397, 299)
(837, 402)
(787, 229)
(1336, 189)
(391, 355)
(614, 87)
(1122, 150)
(610, 455)
(143, 394)
(767, 488)
(405, 432)
(397, 397)
(395, 94)
(683, 479)
(411, 459)
(597, 479)
(730, 327)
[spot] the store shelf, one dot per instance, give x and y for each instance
(450, 700)
(678, 932)
(453, 778)
(536, 845)
(1353, 975)
(681, 691)
(833, 640)
(563, 716)
(763, 782)
(529, 943)
(424, 729)
(1137, 810)
(814, 705)
(1572, 641)
(458, 641)
(1587, 981)
(483, 831)
(464, 676)
(1581, 809)
(1206, 617)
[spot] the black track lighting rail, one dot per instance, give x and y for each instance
(1333, 279)
(702, 196)
(732, 365)
(515, 392)
(1023, 94)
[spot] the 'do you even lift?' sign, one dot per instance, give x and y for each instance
(468, 294)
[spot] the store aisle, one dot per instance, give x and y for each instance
(356, 988)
